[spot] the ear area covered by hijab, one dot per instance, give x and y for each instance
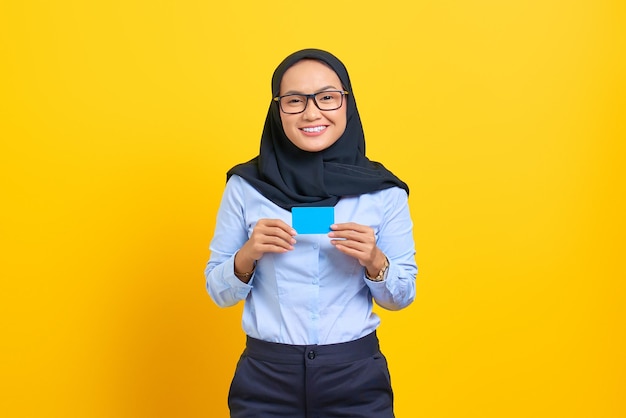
(289, 176)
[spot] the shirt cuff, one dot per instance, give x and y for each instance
(240, 288)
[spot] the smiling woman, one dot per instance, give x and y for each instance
(308, 304)
(312, 128)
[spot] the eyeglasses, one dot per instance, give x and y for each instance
(297, 103)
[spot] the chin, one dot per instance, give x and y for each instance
(313, 145)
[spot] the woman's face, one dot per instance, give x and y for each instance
(312, 130)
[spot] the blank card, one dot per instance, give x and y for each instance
(312, 220)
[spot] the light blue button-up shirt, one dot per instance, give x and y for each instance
(313, 294)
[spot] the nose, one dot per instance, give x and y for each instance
(311, 112)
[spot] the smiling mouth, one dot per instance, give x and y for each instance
(314, 129)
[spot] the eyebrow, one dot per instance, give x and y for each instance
(318, 91)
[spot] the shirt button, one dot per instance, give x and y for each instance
(311, 355)
(316, 245)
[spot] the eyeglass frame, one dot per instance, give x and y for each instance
(312, 97)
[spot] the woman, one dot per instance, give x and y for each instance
(311, 348)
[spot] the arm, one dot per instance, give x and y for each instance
(395, 241)
(234, 255)
(230, 234)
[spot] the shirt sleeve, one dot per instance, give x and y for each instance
(230, 234)
(395, 239)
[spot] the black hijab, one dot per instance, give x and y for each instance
(289, 176)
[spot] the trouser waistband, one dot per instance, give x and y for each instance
(296, 354)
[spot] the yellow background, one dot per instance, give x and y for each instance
(119, 119)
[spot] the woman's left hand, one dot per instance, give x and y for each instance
(358, 241)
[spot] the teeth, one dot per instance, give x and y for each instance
(316, 129)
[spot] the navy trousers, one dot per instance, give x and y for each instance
(317, 381)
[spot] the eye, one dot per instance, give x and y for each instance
(293, 100)
(328, 97)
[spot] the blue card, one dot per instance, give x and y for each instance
(312, 220)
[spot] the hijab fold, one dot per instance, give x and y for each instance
(289, 176)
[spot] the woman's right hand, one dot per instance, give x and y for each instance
(268, 236)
